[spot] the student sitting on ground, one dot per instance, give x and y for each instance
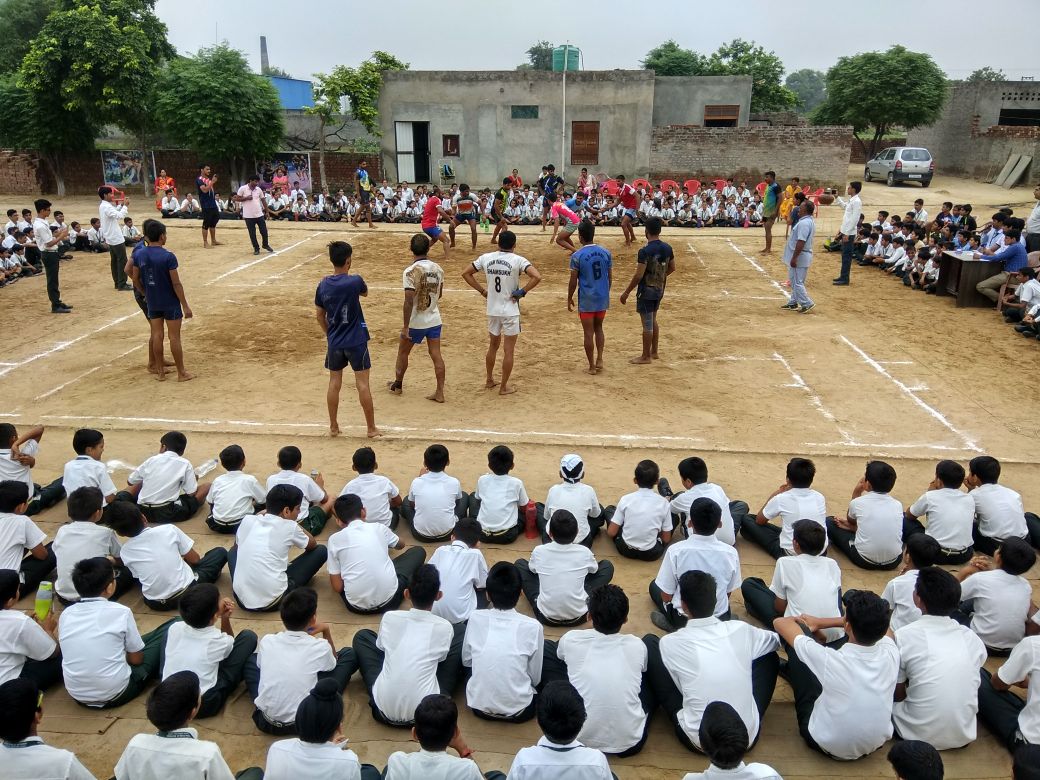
(288, 664)
(28, 645)
(316, 503)
(216, 655)
(20, 535)
(843, 698)
(693, 472)
(436, 729)
(435, 499)
(642, 525)
(360, 567)
(162, 557)
(463, 572)
(17, 458)
(872, 535)
(164, 486)
(175, 750)
(793, 500)
(997, 597)
(701, 551)
(1015, 722)
(233, 495)
(380, 496)
(86, 469)
(505, 650)
(499, 500)
(921, 553)
(951, 514)
(914, 760)
(936, 698)
(577, 498)
(561, 574)
(84, 537)
(104, 659)
(998, 509)
(724, 738)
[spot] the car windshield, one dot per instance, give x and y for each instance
(916, 155)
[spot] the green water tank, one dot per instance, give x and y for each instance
(569, 55)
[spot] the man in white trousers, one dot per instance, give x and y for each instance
(798, 258)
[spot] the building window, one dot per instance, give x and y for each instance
(524, 112)
(450, 145)
(1019, 117)
(721, 116)
(584, 143)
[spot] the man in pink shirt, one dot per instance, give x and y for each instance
(254, 211)
(565, 222)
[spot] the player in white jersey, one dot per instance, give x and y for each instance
(423, 288)
(502, 271)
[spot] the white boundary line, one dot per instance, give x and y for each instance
(758, 268)
(62, 345)
(258, 260)
(280, 274)
(696, 254)
(814, 399)
(62, 386)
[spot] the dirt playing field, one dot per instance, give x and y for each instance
(875, 371)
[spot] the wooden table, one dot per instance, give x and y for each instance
(959, 272)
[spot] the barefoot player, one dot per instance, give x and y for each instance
(565, 222)
(591, 275)
(498, 208)
(432, 212)
(502, 271)
(423, 288)
(464, 208)
(627, 197)
(770, 208)
(654, 264)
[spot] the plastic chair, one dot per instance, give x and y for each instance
(692, 186)
(815, 197)
(806, 189)
(719, 184)
(669, 186)
(641, 183)
(610, 187)
(760, 188)
(1033, 262)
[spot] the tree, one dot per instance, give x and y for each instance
(881, 90)
(274, 70)
(987, 74)
(539, 56)
(361, 86)
(326, 107)
(20, 22)
(669, 59)
(740, 57)
(810, 87)
(214, 104)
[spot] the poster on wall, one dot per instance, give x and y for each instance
(289, 169)
(124, 168)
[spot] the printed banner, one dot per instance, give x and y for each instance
(124, 168)
(289, 170)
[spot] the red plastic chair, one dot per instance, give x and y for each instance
(610, 187)
(760, 188)
(641, 183)
(806, 189)
(669, 186)
(719, 184)
(692, 186)
(816, 196)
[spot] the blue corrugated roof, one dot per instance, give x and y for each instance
(294, 94)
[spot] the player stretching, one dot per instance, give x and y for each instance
(423, 288)
(502, 271)
(432, 212)
(560, 213)
(591, 275)
(465, 209)
(498, 209)
(363, 188)
(654, 264)
(627, 196)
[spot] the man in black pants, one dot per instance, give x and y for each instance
(205, 182)
(254, 211)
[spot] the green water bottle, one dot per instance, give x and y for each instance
(44, 600)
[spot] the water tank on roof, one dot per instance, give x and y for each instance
(566, 58)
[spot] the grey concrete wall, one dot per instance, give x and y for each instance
(680, 100)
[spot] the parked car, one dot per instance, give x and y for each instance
(901, 163)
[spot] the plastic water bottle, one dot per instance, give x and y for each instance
(531, 520)
(44, 600)
(113, 465)
(205, 468)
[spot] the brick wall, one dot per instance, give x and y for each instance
(19, 173)
(819, 155)
(859, 155)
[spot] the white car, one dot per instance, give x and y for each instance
(901, 163)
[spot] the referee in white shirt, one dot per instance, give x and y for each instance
(847, 233)
(1032, 228)
(112, 233)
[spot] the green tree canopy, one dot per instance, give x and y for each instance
(669, 59)
(987, 74)
(878, 91)
(539, 56)
(274, 70)
(20, 22)
(361, 86)
(810, 86)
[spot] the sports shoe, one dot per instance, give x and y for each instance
(125, 288)
(661, 621)
(841, 282)
(268, 248)
(61, 309)
(664, 488)
(256, 251)
(807, 309)
(791, 305)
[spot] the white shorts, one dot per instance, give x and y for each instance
(504, 326)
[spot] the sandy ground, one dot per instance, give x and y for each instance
(875, 371)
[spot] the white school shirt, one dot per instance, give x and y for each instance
(561, 570)
(1024, 664)
(289, 663)
(607, 670)
(178, 754)
(642, 515)
(899, 593)
(950, 515)
(33, 760)
(811, 585)
(290, 759)
(577, 498)
(171, 204)
(163, 478)
(1028, 292)
(549, 761)
(793, 505)
(154, 557)
(42, 235)
(21, 639)
(95, 635)
(463, 571)
(112, 222)
(710, 660)
(501, 497)
(505, 651)
(431, 316)
(701, 553)
(740, 772)
(681, 503)
(263, 544)
(360, 555)
(849, 220)
(313, 493)
(198, 650)
(853, 716)
(234, 495)
(94, 236)
(17, 535)
(434, 495)
(414, 643)
(375, 492)
(84, 471)
(1001, 604)
(879, 527)
(502, 270)
(939, 659)
(428, 765)
(999, 512)
(76, 541)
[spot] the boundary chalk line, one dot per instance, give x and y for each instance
(261, 259)
(87, 373)
(63, 345)
(814, 398)
(757, 267)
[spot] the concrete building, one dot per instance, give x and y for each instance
(484, 123)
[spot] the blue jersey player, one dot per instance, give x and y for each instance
(591, 276)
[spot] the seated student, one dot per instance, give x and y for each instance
(806, 583)
(872, 535)
(216, 655)
(724, 738)
(360, 568)
(559, 755)
(693, 472)
(87, 469)
(561, 574)
(505, 651)
(233, 495)
(28, 646)
(415, 654)
(642, 525)
(711, 660)
(997, 597)
(793, 500)
(936, 698)
(950, 512)
(316, 503)
(17, 458)
(499, 500)
(436, 729)
(288, 664)
(84, 537)
(843, 698)
(435, 500)
(261, 574)
(105, 661)
(379, 496)
(921, 552)
(577, 498)
(20, 535)
(1015, 722)
(914, 760)
(701, 551)
(463, 572)
(24, 755)
(175, 750)
(165, 486)
(998, 509)
(320, 750)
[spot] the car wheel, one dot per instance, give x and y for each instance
(866, 174)
(891, 180)
(926, 182)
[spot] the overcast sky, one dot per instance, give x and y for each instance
(315, 35)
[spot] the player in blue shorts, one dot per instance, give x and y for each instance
(432, 212)
(337, 303)
(464, 205)
(654, 264)
(549, 186)
(423, 288)
(591, 274)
